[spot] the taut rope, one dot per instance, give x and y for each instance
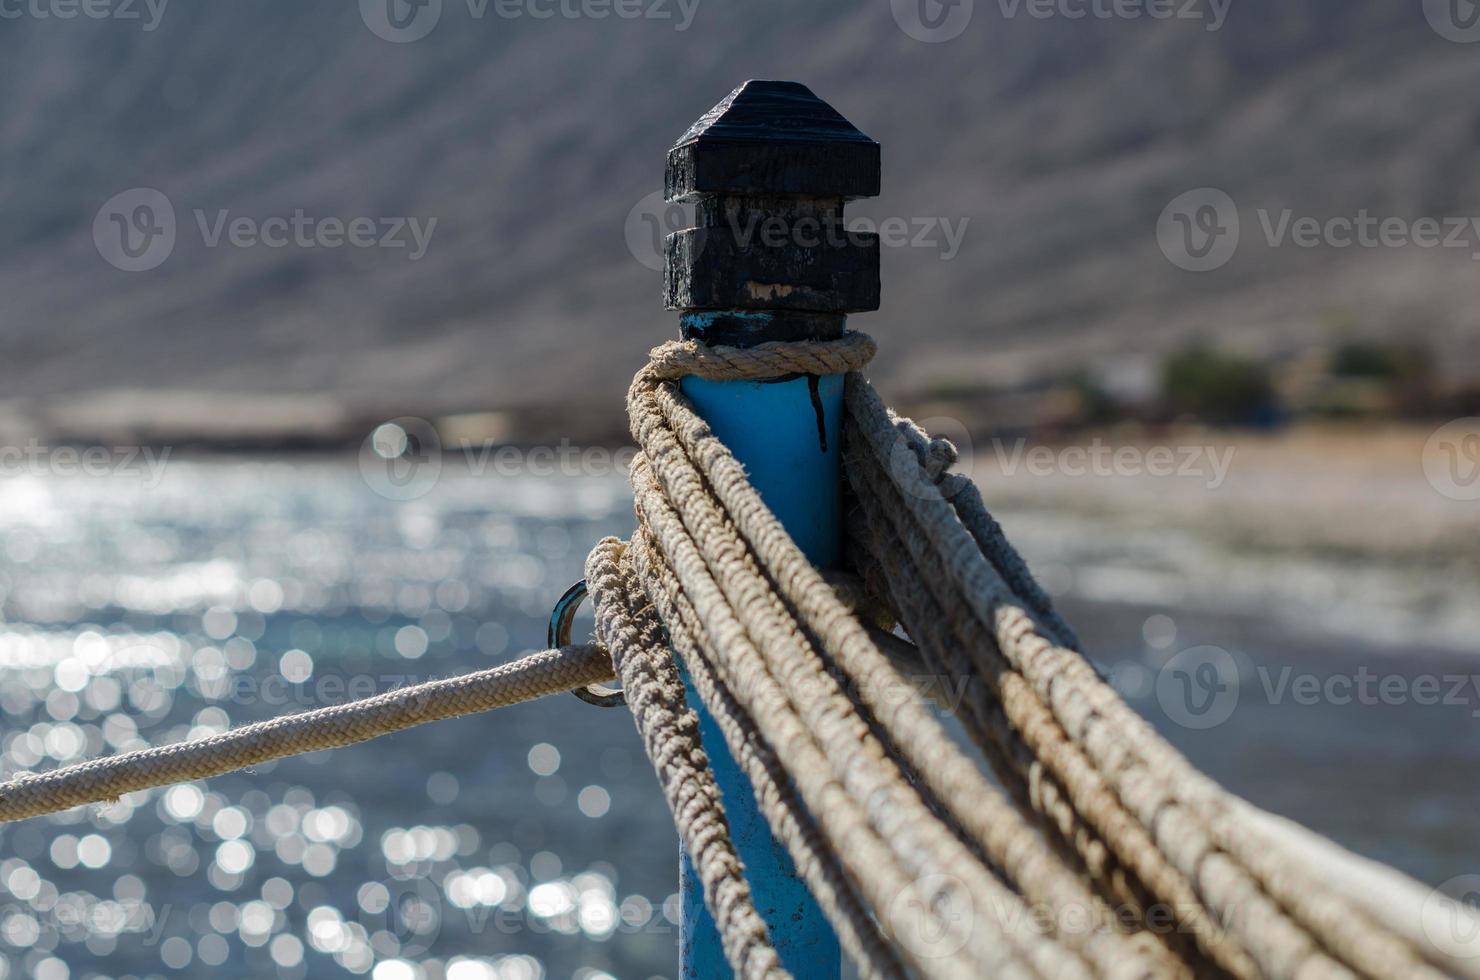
(100, 780)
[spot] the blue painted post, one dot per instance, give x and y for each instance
(768, 171)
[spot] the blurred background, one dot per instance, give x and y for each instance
(315, 322)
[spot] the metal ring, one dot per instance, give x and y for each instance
(561, 617)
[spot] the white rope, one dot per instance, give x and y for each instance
(106, 779)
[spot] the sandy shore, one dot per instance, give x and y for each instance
(1335, 534)
(1339, 489)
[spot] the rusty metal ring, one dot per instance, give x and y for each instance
(561, 617)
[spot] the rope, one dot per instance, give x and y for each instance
(680, 358)
(827, 754)
(819, 866)
(921, 841)
(886, 789)
(670, 733)
(972, 593)
(106, 779)
(1277, 909)
(1015, 754)
(1019, 732)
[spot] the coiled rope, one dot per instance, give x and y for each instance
(1098, 852)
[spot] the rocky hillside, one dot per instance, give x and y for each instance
(1030, 159)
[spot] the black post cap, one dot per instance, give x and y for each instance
(770, 137)
(769, 170)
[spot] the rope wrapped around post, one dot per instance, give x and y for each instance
(1106, 826)
(759, 604)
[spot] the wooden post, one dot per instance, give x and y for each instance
(768, 171)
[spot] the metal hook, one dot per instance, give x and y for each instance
(561, 617)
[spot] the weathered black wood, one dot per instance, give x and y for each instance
(770, 137)
(835, 276)
(769, 169)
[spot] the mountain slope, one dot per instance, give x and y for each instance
(1051, 147)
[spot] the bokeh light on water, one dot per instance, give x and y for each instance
(527, 843)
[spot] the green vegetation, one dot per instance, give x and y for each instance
(1399, 363)
(1368, 378)
(1216, 387)
(1351, 378)
(1092, 404)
